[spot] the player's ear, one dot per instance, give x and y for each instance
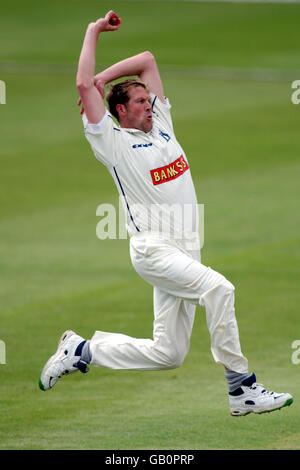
(121, 108)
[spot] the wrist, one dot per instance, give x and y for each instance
(95, 28)
(100, 25)
(100, 77)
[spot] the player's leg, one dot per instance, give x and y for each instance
(165, 264)
(173, 323)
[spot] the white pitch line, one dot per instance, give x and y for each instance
(167, 71)
(224, 1)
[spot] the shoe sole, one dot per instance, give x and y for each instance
(63, 337)
(288, 402)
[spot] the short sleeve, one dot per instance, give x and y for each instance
(161, 112)
(102, 138)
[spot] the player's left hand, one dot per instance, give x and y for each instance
(79, 103)
(99, 84)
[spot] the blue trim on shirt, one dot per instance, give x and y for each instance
(117, 176)
(154, 102)
(114, 128)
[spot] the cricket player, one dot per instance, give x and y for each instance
(152, 175)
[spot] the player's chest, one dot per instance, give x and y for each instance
(151, 149)
(156, 157)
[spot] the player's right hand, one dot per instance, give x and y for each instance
(103, 25)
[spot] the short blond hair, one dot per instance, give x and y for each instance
(119, 94)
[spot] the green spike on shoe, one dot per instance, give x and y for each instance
(41, 385)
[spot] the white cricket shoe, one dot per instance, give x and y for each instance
(63, 362)
(252, 397)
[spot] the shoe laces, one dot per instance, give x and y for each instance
(61, 369)
(255, 385)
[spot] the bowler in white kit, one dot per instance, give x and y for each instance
(153, 177)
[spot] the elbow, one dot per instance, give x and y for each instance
(83, 84)
(149, 62)
(148, 56)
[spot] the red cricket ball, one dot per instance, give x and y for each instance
(114, 20)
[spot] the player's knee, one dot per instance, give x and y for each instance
(225, 288)
(218, 295)
(171, 355)
(225, 291)
(175, 359)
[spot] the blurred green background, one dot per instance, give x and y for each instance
(227, 69)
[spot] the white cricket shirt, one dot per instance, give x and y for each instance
(151, 172)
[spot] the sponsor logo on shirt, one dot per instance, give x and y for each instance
(169, 172)
(136, 146)
(164, 135)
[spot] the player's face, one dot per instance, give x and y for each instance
(139, 110)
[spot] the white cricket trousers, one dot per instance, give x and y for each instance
(180, 283)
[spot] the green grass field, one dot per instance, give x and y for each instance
(227, 70)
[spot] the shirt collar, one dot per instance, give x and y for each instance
(135, 131)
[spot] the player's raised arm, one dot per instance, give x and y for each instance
(144, 65)
(90, 97)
